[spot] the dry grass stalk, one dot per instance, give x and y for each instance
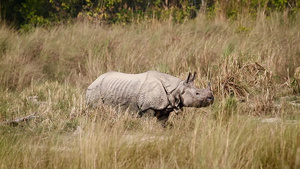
(246, 58)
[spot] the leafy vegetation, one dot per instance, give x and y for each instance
(249, 52)
(30, 13)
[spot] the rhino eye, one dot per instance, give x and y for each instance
(197, 93)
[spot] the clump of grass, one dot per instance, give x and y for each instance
(81, 52)
(242, 142)
(225, 110)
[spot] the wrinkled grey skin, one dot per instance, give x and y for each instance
(151, 91)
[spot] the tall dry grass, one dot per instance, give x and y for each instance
(250, 63)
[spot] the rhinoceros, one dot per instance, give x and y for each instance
(152, 91)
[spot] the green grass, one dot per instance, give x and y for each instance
(250, 63)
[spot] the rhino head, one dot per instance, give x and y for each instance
(191, 96)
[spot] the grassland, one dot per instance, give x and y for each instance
(249, 61)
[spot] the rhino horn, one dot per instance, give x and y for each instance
(209, 86)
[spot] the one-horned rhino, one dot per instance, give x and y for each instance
(150, 91)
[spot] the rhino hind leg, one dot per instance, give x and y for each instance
(147, 113)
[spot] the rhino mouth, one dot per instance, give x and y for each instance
(205, 103)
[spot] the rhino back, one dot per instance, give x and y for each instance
(121, 88)
(117, 88)
(170, 82)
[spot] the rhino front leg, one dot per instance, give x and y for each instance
(162, 116)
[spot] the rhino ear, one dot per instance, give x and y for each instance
(193, 77)
(188, 78)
